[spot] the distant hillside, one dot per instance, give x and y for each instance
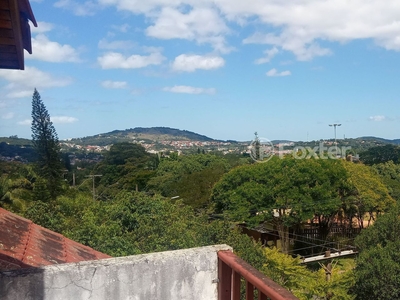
(16, 141)
(158, 134)
(169, 132)
(384, 141)
(152, 134)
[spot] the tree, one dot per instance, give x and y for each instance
(381, 154)
(305, 283)
(16, 186)
(284, 192)
(390, 173)
(134, 223)
(127, 166)
(377, 271)
(191, 177)
(367, 196)
(45, 142)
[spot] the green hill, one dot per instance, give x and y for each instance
(152, 134)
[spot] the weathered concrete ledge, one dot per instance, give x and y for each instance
(181, 274)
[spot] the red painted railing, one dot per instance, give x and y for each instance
(230, 271)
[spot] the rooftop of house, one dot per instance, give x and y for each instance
(15, 33)
(24, 244)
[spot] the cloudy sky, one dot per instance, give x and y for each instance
(223, 68)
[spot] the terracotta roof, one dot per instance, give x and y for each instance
(24, 244)
(15, 33)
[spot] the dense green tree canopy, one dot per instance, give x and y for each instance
(286, 191)
(381, 154)
(390, 174)
(191, 177)
(134, 223)
(367, 195)
(296, 189)
(126, 166)
(17, 182)
(305, 283)
(377, 271)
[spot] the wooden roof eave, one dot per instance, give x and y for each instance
(16, 26)
(25, 15)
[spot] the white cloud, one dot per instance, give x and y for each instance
(189, 90)
(114, 60)
(113, 45)
(274, 73)
(202, 25)
(190, 63)
(302, 27)
(46, 50)
(121, 28)
(42, 27)
(21, 84)
(87, 8)
(269, 54)
(55, 120)
(108, 84)
(304, 48)
(63, 119)
(145, 7)
(7, 116)
(25, 122)
(377, 118)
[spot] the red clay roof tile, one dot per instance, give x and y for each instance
(24, 244)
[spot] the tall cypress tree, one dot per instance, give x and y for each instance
(46, 144)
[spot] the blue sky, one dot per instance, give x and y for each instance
(222, 68)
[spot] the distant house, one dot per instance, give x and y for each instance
(15, 33)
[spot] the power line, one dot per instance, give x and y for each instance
(94, 191)
(324, 245)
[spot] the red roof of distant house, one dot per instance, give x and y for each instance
(24, 244)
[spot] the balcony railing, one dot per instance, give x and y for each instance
(231, 270)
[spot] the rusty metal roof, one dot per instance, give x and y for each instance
(15, 33)
(24, 244)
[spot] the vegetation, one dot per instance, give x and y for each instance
(146, 202)
(287, 192)
(390, 175)
(18, 152)
(126, 166)
(134, 223)
(382, 154)
(152, 134)
(47, 147)
(305, 283)
(377, 272)
(190, 178)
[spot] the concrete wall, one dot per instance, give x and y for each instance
(175, 275)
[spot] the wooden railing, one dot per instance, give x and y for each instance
(231, 270)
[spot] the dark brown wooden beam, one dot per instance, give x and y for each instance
(5, 24)
(15, 20)
(7, 49)
(7, 41)
(8, 64)
(5, 15)
(7, 33)
(5, 5)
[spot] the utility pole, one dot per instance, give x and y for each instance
(94, 191)
(334, 128)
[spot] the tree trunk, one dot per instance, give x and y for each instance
(283, 232)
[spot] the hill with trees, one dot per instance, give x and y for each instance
(151, 134)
